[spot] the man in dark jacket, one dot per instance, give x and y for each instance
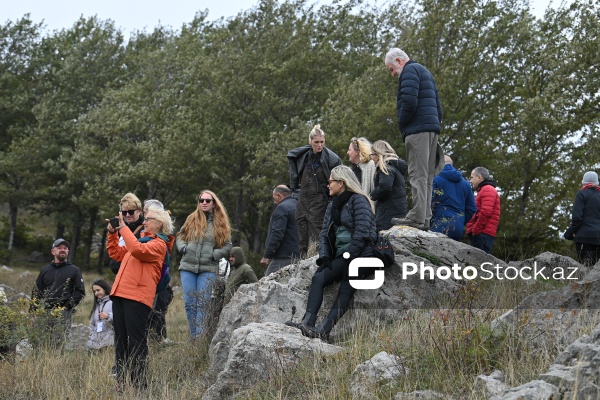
(419, 118)
(282, 238)
(585, 220)
(241, 273)
(58, 289)
(310, 167)
(483, 225)
(453, 203)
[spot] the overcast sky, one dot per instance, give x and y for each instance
(132, 15)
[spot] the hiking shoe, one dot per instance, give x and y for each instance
(408, 222)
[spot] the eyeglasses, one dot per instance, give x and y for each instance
(146, 219)
(205, 201)
(332, 180)
(130, 212)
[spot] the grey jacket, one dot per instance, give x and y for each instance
(202, 255)
(106, 337)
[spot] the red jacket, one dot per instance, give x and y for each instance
(486, 219)
(141, 264)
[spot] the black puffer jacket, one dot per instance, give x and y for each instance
(357, 217)
(585, 221)
(390, 194)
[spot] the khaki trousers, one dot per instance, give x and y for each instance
(420, 154)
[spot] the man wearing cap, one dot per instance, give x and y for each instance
(58, 289)
(585, 221)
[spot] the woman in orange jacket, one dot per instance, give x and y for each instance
(134, 290)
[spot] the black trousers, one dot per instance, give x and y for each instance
(157, 324)
(588, 254)
(326, 277)
(130, 320)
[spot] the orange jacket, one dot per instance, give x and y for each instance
(141, 264)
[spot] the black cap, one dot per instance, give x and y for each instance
(60, 241)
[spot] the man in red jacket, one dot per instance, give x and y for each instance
(483, 225)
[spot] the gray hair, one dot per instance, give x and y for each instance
(395, 53)
(316, 131)
(386, 153)
(346, 175)
(153, 204)
(482, 172)
(164, 218)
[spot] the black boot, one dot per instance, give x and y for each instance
(321, 331)
(307, 321)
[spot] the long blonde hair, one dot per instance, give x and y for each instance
(345, 174)
(385, 153)
(195, 224)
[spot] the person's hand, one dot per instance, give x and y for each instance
(324, 262)
(103, 315)
(265, 261)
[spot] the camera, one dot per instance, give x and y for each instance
(114, 222)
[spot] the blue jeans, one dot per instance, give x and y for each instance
(483, 242)
(197, 289)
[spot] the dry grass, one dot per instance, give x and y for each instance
(444, 349)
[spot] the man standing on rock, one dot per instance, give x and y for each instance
(58, 289)
(419, 117)
(282, 238)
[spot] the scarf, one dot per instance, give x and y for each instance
(368, 176)
(337, 204)
(590, 186)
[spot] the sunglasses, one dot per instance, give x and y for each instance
(146, 219)
(204, 200)
(130, 212)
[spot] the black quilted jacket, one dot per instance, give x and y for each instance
(359, 220)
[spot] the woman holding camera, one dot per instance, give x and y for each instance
(203, 240)
(101, 318)
(134, 289)
(348, 232)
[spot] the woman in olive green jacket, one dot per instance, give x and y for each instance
(204, 239)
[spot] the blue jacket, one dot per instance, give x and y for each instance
(452, 203)
(418, 104)
(282, 237)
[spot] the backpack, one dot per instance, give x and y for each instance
(165, 272)
(383, 250)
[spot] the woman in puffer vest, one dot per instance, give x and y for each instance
(203, 240)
